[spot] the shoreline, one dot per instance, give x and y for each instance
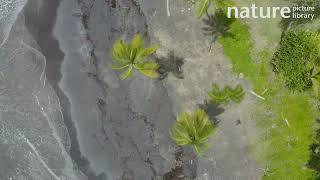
(41, 25)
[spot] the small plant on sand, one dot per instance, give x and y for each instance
(297, 60)
(224, 96)
(194, 129)
(218, 96)
(236, 94)
(133, 56)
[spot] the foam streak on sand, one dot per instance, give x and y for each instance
(40, 158)
(32, 126)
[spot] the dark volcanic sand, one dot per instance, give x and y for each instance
(130, 137)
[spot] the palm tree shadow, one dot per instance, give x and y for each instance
(217, 25)
(212, 110)
(170, 64)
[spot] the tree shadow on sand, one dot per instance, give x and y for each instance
(212, 110)
(170, 64)
(217, 25)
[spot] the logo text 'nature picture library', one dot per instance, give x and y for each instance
(295, 12)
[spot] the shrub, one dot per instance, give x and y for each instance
(134, 56)
(193, 130)
(224, 96)
(298, 51)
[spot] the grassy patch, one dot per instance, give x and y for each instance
(285, 118)
(238, 48)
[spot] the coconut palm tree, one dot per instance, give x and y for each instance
(217, 25)
(224, 96)
(236, 94)
(133, 56)
(218, 96)
(194, 129)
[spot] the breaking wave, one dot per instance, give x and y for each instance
(34, 140)
(9, 10)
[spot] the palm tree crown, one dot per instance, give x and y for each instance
(133, 56)
(193, 130)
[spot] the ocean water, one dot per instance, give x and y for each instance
(33, 138)
(9, 10)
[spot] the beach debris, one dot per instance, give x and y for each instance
(257, 95)
(168, 10)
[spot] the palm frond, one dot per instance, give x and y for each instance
(137, 42)
(224, 96)
(149, 69)
(120, 51)
(217, 24)
(128, 73)
(237, 94)
(218, 96)
(120, 67)
(145, 52)
(203, 6)
(130, 56)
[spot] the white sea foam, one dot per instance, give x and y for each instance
(31, 120)
(9, 10)
(34, 140)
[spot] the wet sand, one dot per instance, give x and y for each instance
(120, 129)
(101, 141)
(40, 19)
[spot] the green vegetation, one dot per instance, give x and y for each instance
(238, 48)
(193, 130)
(237, 94)
(134, 56)
(203, 6)
(224, 96)
(217, 24)
(299, 53)
(286, 118)
(287, 121)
